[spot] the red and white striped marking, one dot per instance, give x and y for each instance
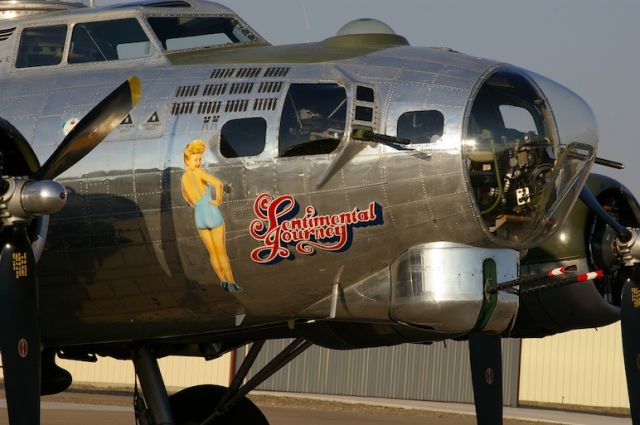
(559, 271)
(589, 276)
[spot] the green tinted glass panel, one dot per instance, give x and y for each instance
(42, 46)
(109, 40)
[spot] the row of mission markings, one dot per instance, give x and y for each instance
(234, 88)
(278, 71)
(246, 87)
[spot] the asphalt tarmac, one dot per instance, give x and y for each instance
(98, 415)
(73, 408)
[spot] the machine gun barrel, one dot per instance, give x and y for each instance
(562, 282)
(531, 280)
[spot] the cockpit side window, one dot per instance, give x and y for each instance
(109, 40)
(313, 119)
(190, 32)
(421, 126)
(41, 46)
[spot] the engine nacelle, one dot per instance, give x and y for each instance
(586, 241)
(440, 286)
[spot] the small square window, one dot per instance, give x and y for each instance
(364, 114)
(365, 94)
(421, 126)
(243, 137)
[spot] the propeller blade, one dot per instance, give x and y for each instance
(630, 321)
(486, 373)
(92, 129)
(590, 200)
(19, 330)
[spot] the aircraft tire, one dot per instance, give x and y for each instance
(193, 405)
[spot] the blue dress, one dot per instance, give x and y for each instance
(208, 216)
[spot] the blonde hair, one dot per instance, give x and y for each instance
(195, 147)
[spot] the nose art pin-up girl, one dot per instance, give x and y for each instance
(197, 187)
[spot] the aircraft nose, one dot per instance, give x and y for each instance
(528, 146)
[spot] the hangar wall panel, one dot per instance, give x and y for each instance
(579, 368)
(178, 372)
(583, 367)
(407, 371)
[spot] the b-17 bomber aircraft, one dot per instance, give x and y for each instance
(179, 186)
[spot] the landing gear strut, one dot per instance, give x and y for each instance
(154, 409)
(207, 404)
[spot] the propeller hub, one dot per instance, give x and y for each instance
(629, 251)
(24, 199)
(43, 197)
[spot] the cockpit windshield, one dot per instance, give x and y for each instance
(523, 168)
(191, 32)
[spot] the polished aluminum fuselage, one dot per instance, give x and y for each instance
(124, 259)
